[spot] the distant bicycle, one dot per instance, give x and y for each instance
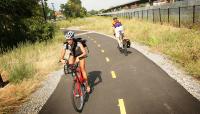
(125, 44)
(78, 91)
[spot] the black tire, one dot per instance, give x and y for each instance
(65, 69)
(77, 101)
(125, 48)
(120, 49)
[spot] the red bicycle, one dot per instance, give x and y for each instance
(78, 91)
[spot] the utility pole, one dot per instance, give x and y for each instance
(45, 17)
(54, 15)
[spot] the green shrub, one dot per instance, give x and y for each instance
(21, 71)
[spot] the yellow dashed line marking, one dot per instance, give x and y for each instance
(122, 106)
(113, 74)
(107, 59)
(102, 51)
(99, 45)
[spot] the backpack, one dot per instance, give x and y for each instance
(82, 41)
(128, 42)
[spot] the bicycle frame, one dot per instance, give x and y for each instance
(78, 91)
(79, 80)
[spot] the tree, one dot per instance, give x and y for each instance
(93, 12)
(21, 21)
(73, 8)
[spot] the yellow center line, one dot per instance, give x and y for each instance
(99, 45)
(107, 59)
(122, 106)
(102, 51)
(113, 74)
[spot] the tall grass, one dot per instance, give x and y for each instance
(180, 44)
(25, 67)
(21, 71)
(73, 22)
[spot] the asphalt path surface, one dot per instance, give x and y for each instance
(122, 85)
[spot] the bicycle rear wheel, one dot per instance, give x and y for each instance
(125, 48)
(77, 96)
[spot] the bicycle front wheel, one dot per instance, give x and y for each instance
(77, 96)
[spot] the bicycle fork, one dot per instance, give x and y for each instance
(77, 89)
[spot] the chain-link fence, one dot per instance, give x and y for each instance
(186, 16)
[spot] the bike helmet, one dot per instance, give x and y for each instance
(69, 35)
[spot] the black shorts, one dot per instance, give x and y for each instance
(77, 56)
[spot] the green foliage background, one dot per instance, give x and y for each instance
(73, 9)
(22, 21)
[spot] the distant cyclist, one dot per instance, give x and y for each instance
(77, 54)
(117, 28)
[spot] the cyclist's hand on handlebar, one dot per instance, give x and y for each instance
(77, 60)
(63, 61)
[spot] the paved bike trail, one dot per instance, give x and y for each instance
(143, 86)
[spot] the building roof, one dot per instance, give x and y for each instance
(133, 1)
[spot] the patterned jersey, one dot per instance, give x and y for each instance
(116, 24)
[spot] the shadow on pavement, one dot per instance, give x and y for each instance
(129, 52)
(94, 78)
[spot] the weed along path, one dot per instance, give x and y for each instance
(122, 84)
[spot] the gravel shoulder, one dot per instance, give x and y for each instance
(39, 98)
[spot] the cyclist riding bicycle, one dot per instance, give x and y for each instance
(117, 30)
(77, 54)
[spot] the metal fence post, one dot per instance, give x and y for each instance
(179, 16)
(194, 14)
(131, 15)
(138, 14)
(168, 14)
(142, 14)
(160, 16)
(153, 14)
(124, 14)
(147, 14)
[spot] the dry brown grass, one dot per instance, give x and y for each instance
(42, 57)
